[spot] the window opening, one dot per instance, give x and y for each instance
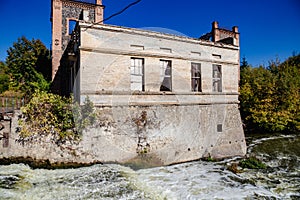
(217, 78)
(72, 24)
(137, 74)
(165, 75)
(219, 127)
(196, 77)
(217, 56)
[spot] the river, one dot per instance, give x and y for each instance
(193, 180)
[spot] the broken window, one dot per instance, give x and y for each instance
(196, 77)
(165, 75)
(137, 74)
(72, 24)
(217, 78)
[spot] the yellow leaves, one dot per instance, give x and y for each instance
(51, 115)
(270, 96)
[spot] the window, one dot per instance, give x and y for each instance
(219, 128)
(217, 78)
(137, 47)
(196, 77)
(165, 75)
(72, 24)
(195, 53)
(217, 56)
(137, 74)
(166, 50)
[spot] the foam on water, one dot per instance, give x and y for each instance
(194, 180)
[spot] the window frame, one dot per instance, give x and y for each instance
(137, 68)
(194, 79)
(217, 78)
(164, 65)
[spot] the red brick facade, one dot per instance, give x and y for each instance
(62, 12)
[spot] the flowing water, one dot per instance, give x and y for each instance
(193, 180)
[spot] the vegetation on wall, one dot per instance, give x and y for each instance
(55, 118)
(270, 96)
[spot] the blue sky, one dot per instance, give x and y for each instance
(269, 29)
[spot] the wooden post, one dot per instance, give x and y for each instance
(2, 105)
(5, 139)
(13, 105)
(6, 105)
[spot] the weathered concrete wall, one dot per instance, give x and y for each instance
(106, 52)
(169, 133)
(165, 134)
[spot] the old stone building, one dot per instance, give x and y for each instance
(169, 98)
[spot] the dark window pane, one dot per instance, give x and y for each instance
(219, 128)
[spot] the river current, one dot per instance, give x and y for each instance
(193, 180)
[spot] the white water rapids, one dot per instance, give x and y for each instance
(193, 180)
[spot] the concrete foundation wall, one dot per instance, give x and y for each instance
(165, 134)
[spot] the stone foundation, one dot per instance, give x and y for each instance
(161, 135)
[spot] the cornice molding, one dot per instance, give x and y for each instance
(79, 4)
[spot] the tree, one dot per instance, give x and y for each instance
(29, 66)
(244, 63)
(270, 96)
(4, 78)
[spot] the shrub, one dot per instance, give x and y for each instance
(51, 116)
(252, 163)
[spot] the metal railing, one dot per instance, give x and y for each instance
(9, 104)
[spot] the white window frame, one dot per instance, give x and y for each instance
(136, 72)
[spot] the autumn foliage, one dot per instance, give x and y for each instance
(270, 96)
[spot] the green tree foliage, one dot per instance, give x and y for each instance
(54, 117)
(29, 66)
(4, 78)
(270, 96)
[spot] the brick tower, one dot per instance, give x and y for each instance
(64, 14)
